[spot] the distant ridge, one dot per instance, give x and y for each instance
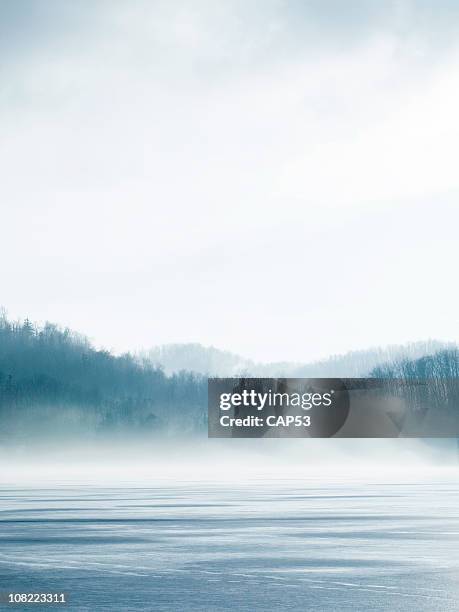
(211, 361)
(54, 385)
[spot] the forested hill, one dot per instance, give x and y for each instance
(441, 365)
(53, 382)
(54, 378)
(210, 361)
(439, 388)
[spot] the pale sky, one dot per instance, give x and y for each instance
(276, 178)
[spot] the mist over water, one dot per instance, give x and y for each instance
(224, 525)
(221, 524)
(197, 458)
(237, 188)
(112, 493)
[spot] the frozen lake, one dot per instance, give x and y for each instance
(264, 545)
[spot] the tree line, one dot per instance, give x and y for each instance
(51, 375)
(436, 375)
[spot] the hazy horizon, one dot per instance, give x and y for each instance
(277, 180)
(408, 349)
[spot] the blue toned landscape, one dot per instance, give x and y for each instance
(249, 189)
(262, 544)
(112, 493)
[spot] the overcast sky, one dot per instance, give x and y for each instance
(277, 178)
